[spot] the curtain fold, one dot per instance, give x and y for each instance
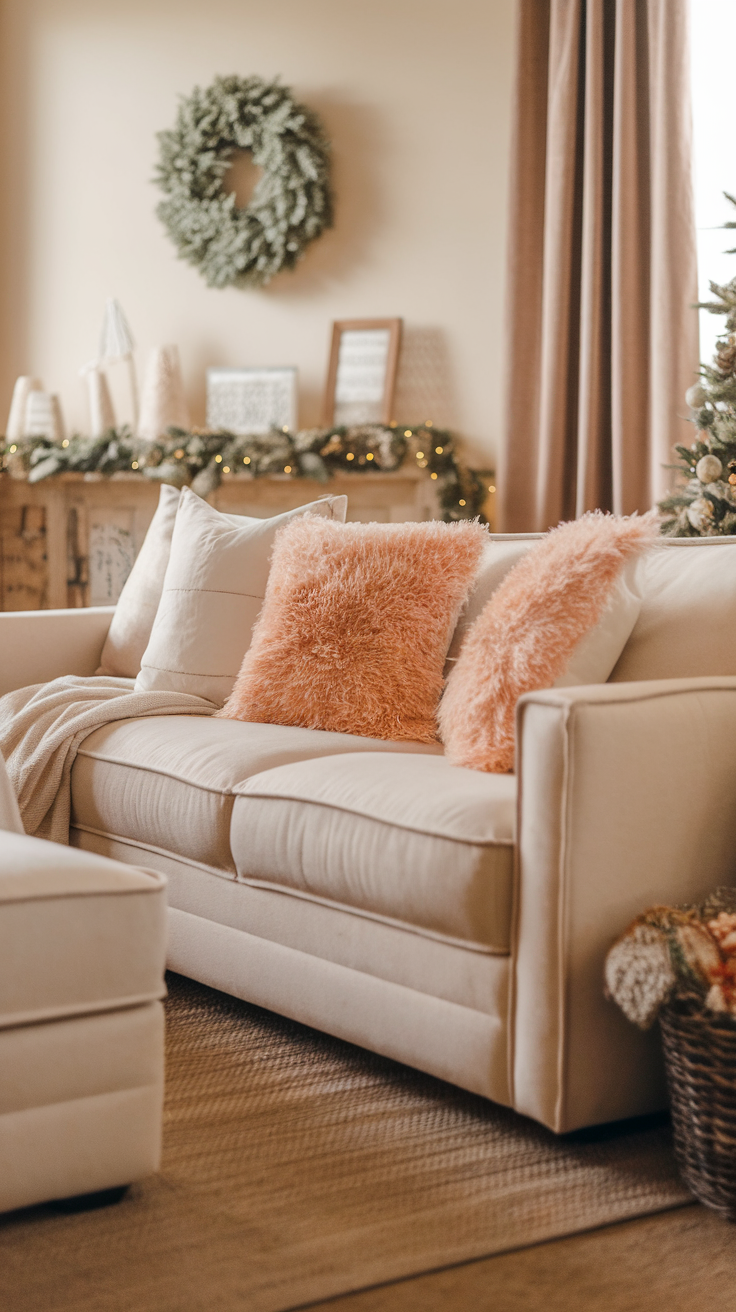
(602, 336)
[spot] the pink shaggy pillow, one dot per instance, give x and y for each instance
(355, 626)
(526, 634)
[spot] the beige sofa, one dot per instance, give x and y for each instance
(453, 920)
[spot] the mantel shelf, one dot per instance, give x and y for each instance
(70, 540)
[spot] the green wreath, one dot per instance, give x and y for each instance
(291, 205)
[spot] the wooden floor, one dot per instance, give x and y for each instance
(680, 1261)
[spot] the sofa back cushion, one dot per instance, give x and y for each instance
(687, 621)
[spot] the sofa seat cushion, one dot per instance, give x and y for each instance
(78, 933)
(168, 782)
(409, 839)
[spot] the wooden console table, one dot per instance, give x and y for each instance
(71, 540)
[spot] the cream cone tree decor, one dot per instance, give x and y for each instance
(116, 343)
(163, 404)
(101, 412)
(16, 427)
(291, 205)
(43, 416)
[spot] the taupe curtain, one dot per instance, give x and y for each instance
(602, 337)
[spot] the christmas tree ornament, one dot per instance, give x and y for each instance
(708, 469)
(700, 514)
(696, 396)
(16, 426)
(163, 404)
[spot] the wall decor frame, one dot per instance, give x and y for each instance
(361, 375)
(252, 400)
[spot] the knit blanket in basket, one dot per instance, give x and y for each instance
(43, 727)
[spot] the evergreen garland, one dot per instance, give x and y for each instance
(291, 205)
(200, 458)
(704, 502)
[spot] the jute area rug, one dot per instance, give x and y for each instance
(298, 1167)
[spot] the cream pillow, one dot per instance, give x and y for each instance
(596, 654)
(500, 553)
(135, 612)
(212, 593)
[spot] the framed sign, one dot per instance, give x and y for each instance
(245, 401)
(362, 371)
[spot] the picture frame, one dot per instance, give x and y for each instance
(252, 400)
(361, 374)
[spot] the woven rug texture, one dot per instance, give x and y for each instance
(297, 1167)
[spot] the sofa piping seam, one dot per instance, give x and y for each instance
(394, 824)
(86, 892)
(231, 792)
(230, 876)
(220, 592)
(435, 936)
(562, 926)
(152, 769)
(558, 702)
(57, 1015)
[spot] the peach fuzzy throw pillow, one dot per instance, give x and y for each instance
(527, 633)
(355, 627)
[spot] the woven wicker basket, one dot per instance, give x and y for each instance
(700, 1056)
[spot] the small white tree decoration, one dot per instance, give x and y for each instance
(43, 416)
(101, 412)
(16, 426)
(163, 404)
(116, 343)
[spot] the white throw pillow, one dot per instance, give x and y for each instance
(598, 652)
(212, 593)
(500, 554)
(131, 625)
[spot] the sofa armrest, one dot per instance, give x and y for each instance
(38, 645)
(627, 797)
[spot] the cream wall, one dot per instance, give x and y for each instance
(415, 95)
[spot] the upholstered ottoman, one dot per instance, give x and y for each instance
(82, 948)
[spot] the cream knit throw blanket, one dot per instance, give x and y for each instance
(42, 728)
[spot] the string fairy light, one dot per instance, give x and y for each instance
(197, 457)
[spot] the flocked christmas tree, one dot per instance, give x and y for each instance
(704, 502)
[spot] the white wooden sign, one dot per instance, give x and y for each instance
(252, 400)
